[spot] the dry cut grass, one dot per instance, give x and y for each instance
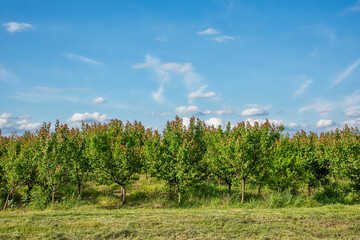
(327, 222)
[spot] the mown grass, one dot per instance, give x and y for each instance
(326, 222)
(206, 212)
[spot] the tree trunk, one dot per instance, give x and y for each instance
(123, 193)
(309, 189)
(30, 187)
(169, 191)
(242, 190)
(259, 189)
(229, 190)
(53, 196)
(219, 183)
(179, 194)
(79, 188)
(7, 200)
(319, 183)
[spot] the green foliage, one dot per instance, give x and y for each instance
(202, 165)
(115, 151)
(40, 198)
(177, 156)
(54, 158)
(285, 170)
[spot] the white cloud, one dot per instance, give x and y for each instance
(352, 99)
(156, 65)
(16, 27)
(219, 112)
(254, 112)
(6, 120)
(161, 114)
(99, 100)
(214, 122)
(177, 67)
(72, 56)
(302, 88)
(192, 79)
(162, 38)
(200, 94)
(165, 71)
(6, 116)
(292, 125)
(186, 121)
(9, 124)
(88, 117)
(223, 38)
(209, 31)
(261, 121)
(26, 125)
(352, 111)
(158, 95)
(344, 74)
(352, 123)
(322, 107)
(6, 76)
(183, 110)
(324, 123)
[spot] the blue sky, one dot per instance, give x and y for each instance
(295, 63)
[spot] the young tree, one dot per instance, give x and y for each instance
(78, 161)
(177, 156)
(285, 169)
(269, 134)
(115, 151)
(216, 156)
(18, 163)
(53, 167)
(311, 152)
(349, 161)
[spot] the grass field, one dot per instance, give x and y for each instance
(326, 222)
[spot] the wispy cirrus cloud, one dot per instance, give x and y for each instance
(80, 58)
(165, 71)
(7, 77)
(353, 8)
(321, 106)
(223, 38)
(302, 88)
(208, 31)
(16, 27)
(345, 73)
(162, 38)
(158, 95)
(352, 111)
(40, 97)
(161, 114)
(53, 90)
